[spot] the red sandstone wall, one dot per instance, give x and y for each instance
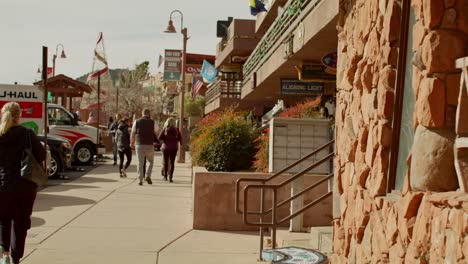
(415, 227)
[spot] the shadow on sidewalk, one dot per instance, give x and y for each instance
(46, 202)
(66, 187)
(86, 180)
(37, 221)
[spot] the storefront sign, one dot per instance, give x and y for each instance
(193, 69)
(299, 88)
(314, 72)
(172, 65)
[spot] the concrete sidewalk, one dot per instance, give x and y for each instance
(101, 218)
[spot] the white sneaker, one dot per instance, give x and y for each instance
(124, 174)
(5, 260)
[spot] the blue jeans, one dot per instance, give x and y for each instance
(114, 148)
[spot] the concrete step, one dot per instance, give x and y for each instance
(321, 239)
(285, 238)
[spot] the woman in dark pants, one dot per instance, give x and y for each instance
(122, 138)
(169, 136)
(17, 195)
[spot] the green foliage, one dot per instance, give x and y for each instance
(195, 107)
(223, 142)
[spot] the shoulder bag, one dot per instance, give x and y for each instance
(30, 168)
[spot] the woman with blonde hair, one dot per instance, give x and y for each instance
(17, 194)
(169, 137)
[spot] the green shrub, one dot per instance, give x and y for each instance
(223, 142)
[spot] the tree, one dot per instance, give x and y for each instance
(133, 98)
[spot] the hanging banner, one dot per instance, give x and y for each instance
(172, 65)
(291, 87)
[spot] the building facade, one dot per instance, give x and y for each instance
(397, 194)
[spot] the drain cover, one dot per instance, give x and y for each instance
(293, 255)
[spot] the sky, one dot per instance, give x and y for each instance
(132, 29)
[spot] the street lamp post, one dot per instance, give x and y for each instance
(171, 29)
(62, 56)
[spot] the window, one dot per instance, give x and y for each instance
(59, 117)
(403, 112)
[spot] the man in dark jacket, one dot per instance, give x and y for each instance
(142, 138)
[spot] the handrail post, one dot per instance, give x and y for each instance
(262, 196)
(296, 223)
(273, 220)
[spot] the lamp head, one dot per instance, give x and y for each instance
(63, 56)
(170, 27)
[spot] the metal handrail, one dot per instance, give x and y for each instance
(275, 187)
(281, 172)
(263, 184)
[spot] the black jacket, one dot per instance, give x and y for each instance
(12, 146)
(122, 137)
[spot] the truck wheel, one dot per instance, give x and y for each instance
(84, 153)
(55, 166)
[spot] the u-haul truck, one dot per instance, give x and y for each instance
(61, 122)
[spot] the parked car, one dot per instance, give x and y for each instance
(61, 155)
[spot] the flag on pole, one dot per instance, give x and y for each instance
(160, 61)
(196, 86)
(99, 59)
(256, 6)
(50, 72)
(208, 72)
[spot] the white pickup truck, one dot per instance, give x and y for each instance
(61, 122)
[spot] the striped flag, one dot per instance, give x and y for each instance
(196, 86)
(99, 59)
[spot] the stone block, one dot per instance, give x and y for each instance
(391, 28)
(419, 32)
(450, 114)
(417, 78)
(366, 77)
(462, 15)
(384, 133)
(368, 105)
(433, 11)
(372, 47)
(432, 164)
(449, 3)
(363, 133)
(440, 49)
(453, 88)
(449, 20)
(430, 106)
(392, 227)
(456, 222)
(385, 103)
(410, 205)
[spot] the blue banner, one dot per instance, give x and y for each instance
(208, 72)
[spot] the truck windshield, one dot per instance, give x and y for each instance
(58, 116)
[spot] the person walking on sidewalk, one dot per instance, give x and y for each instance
(142, 139)
(17, 195)
(169, 137)
(112, 129)
(122, 139)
